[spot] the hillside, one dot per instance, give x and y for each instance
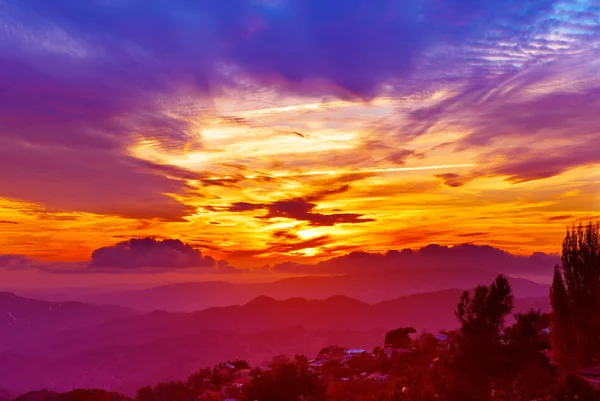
(127, 352)
(23, 319)
(371, 288)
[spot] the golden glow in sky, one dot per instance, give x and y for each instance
(408, 192)
(276, 135)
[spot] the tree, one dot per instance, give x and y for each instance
(525, 337)
(399, 338)
(575, 298)
(90, 395)
(41, 395)
(166, 392)
(74, 395)
(286, 381)
(529, 373)
(427, 344)
(239, 364)
(482, 312)
(479, 360)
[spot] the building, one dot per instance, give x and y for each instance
(241, 382)
(388, 351)
(378, 377)
(355, 351)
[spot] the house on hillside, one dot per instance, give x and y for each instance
(355, 351)
(351, 353)
(442, 341)
(316, 363)
(389, 351)
(332, 353)
(241, 382)
(591, 374)
(378, 377)
(243, 373)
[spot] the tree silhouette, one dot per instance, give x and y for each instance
(286, 381)
(575, 298)
(399, 338)
(479, 359)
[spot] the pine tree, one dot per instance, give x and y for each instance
(575, 298)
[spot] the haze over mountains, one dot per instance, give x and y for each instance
(187, 297)
(123, 339)
(369, 277)
(125, 352)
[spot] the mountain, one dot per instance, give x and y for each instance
(185, 297)
(371, 288)
(429, 311)
(127, 368)
(139, 349)
(23, 319)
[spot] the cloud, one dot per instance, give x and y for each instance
(16, 262)
(452, 179)
(149, 255)
(529, 126)
(325, 193)
(245, 206)
(138, 253)
(475, 234)
(537, 164)
(459, 257)
(99, 182)
(399, 157)
(81, 84)
(560, 217)
(285, 235)
(298, 209)
(355, 45)
(292, 246)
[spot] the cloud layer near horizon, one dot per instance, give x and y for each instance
(266, 130)
(138, 253)
(151, 255)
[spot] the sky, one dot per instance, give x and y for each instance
(253, 132)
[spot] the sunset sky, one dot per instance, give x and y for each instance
(263, 131)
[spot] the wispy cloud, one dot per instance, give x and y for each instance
(478, 115)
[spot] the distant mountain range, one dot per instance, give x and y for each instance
(23, 320)
(148, 335)
(115, 348)
(373, 287)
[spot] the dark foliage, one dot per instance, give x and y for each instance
(575, 298)
(288, 380)
(399, 338)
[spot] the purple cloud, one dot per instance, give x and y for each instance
(460, 257)
(97, 181)
(83, 81)
(451, 179)
(299, 209)
(521, 110)
(138, 253)
(16, 262)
